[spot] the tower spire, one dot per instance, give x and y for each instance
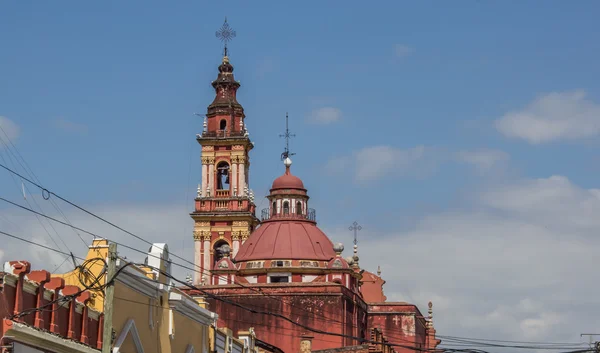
(225, 34)
(287, 136)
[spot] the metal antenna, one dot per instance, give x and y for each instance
(356, 228)
(225, 34)
(287, 136)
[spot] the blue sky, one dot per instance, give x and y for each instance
(403, 111)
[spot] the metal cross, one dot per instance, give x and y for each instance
(225, 34)
(287, 137)
(356, 228)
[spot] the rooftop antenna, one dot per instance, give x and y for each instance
(225, 34)
(287, 136)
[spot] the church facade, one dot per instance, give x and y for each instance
(279, 273)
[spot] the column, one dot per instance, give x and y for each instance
(242, 179)
(211, 176)
(236, 242)
(207, 267)
(204, 175)
(197, 257)
(233, 176)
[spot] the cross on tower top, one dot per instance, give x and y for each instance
(225, 34)
(356, 228)
(287, 136)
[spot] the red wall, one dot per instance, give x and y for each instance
(328, 308)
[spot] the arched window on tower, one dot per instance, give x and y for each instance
(222, 176)
(223, 124)
(286, 208)
(274, 208)
(218, 251)
(298, 208)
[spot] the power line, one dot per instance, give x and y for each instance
(359, 339)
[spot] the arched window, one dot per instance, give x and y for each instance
(298, 208)
(223, 124)
(286, 207)
(274, 208)
(222, 176)
(217, 251)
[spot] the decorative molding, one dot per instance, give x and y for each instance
(205, 160)
(242, 159)
(197, 235)
(235, 235)
(10, 279)
(140, 283)
(93, 314)
(129, 327)
(47, 295)
(30, 287)
(188, 307)
(240, 223)
(208, 148)
(203, 224)
(237, 148)
(43, 340)
(211, 160)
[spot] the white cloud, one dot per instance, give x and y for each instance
(155, 223)
(70, 126)
(553, 117)
(377, 162)
(484, 160)
(9, 130)
(326, 115)
(517, 264)
(402, 51)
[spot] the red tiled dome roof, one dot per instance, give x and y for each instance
(287, 181)
(295, 240)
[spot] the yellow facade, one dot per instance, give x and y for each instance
(150, 315)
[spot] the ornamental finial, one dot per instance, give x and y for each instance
(430, 322)
(287, 136)
(225, 34)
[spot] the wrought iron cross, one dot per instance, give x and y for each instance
(287, 136)
(356, 228)
(225, 34)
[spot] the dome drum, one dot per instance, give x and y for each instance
(267, 214)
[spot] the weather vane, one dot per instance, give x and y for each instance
(355, 227)
(287, 136)
(225, 34)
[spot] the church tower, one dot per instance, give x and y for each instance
(224, 207)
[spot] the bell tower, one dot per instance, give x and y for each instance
(224, 206)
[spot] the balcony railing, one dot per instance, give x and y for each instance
(222, 133)
(266, 214)
(222, 193)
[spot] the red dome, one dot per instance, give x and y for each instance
(294, 240)
(287, 181)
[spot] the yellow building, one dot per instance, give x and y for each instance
(65, 313)
(150, 315)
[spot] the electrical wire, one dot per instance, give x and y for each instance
(32, 174)
(47, 192)
(216, 297)
(313, 315)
